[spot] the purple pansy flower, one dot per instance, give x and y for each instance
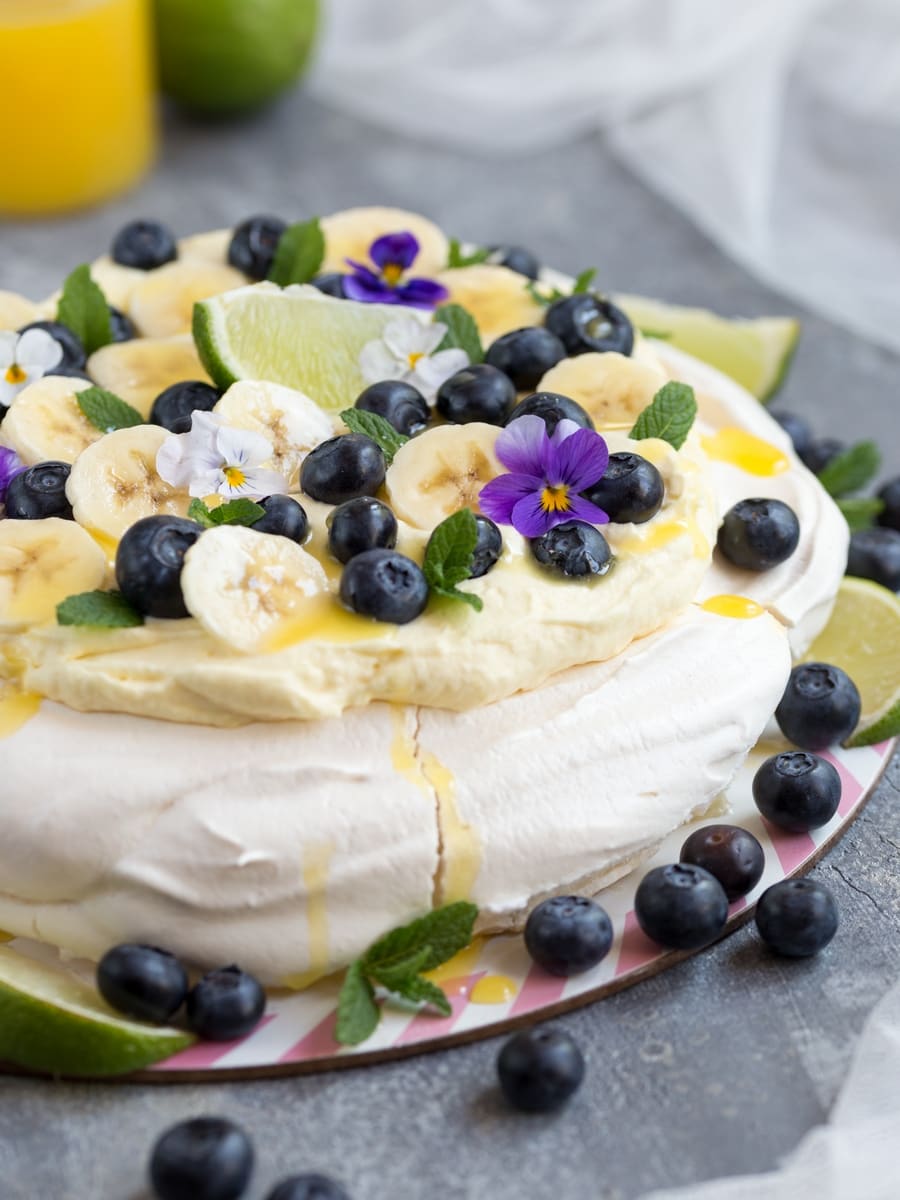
(10, 466)
(392, 254)
(546, 476)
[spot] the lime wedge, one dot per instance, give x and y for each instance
(52, 1021)
(297, 336)
(755, 353)
(863, 638)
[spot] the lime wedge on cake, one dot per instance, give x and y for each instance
(52, 1021)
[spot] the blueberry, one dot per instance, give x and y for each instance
(39, 492)
(73, 351)
(149, 561)
(730, 854)
(757, 534)
(331, 283)
(875, 554)
(587, 323)
(343, 468)
(797, 428)
(551, 408)
(308, 1187)
(797, 790)
(820, 706)
(681, 906)
(121, 326)
(573, 548)
(568, 934)
(285, 517)
(143, 982)
(630, 490)
(253, 245)
(820, 452)
(385, 585)
(207, 1158)
(173, 407)
(525, 355)
(476, 393)
(488, 547)
(143, 244)
(540, 1069)
(890, 497)
(516, 258)
(361, 524)
(69, 372)
(401, 405)
(225, 1004)
(797, 917)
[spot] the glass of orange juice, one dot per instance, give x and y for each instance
(78, 118)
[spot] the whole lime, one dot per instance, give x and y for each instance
(227, 57)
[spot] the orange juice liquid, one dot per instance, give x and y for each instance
(78, 119)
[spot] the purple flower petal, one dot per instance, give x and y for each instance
(394, 249)
(368, 289)
(498, 498)
(582, 510)
(531, 519)
(580, 460)
(520, 446)
(421, 293)
(10, 466)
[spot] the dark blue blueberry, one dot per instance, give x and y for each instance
(331, 283)
(730, 854)
(631, 489)
(573, 548)
(39, 492)
(225, 1004)
(207, 1158)
(681, 906)
(516, 258)
(875, 554)
(540, 1069)
(819, 453)
(121, 326)
(361, 524)
(253, 245)
(69, 372)
(757, 534)
(401, 405)
(820, 706)
(385, 585)
(72, 348)
(797, 428)
(488, 547)
(568, 934)
(890, 497)
(797, 790)
(143, 244)
(149, 562)
(172, 408)
(343, 468)
(551, 408)
(285, 517)
(476, 393)
(797, 917)
(308, 1187)
(585, 323)
(525, 355)
(142, 982)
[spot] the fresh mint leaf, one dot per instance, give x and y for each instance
(448, 557)
(457, 257)
(375, 427)
(661, 335)
(357, 1012)
(444, 932)
(299, 254)
(423, 991)
(544, 298)
(100, 610)
(83, 309)
(462, 332)
(860, 511)
(394, 973)
(669, 415)
(233, 512)
(852, 470)
(106, 411)
(583, 281)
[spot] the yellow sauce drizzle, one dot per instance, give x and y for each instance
(460, 965)
(316, 861)
(658, 536)
(326, 620)
(493, 989)
(16, 709)
(746, 451)
(742, 608)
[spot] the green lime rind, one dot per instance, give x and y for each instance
(202, 326)
(51, 1021)
(884, 728)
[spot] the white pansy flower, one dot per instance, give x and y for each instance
(408, 350)
(24, 358)
(215, 458)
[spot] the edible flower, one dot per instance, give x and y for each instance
(408, 350)
(24, 358)
(546, 476)
(392, 255)
(10, 466)
(213, 458)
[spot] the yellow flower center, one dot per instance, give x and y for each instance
(234, 476)
(414, 358)
(555, 498)
(391, 273)
(15, 374)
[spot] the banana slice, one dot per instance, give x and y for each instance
(211, 247)
(288, 419)
(115, 483)
(41, 563)
(44, 421)
(440, 471)
(496, 297)
(246, 587)
(612, 388)
(163, 303)
(16, 311)
(140, 369)
(350, 233)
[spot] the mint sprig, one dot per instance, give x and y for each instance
(233, 512)
(382, 432)
(462, 332)
(83, 309)
(852, 470)
(669, 415)
(457, 257)
(583, 281)
(299, 254)
(396, 962)
(546, 296)
(106, 411)
(100, 610)
(448, 557)
(860, 511)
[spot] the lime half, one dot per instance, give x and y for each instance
(755, 353)
(52, 1021)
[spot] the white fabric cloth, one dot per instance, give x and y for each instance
(775, 125)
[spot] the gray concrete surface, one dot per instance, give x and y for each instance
(718, 1066)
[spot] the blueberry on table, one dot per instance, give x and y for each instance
(757, 534)
(476, 393)
(253, 245)
(889, 495)
(681, 906)
(361, 524)
(225, 1004)
(586, 323)
(820, 706)
(797, 790)
(39, 492)
(525, 355)
(797, 428)
(797, 917)
(875, 554)
(631, 489)
(568, 934)
(121, 326)
(343, 468)
(540, 1069)
(401, 405)
(331, 283)
(730, 854)
(142, 982)
(488, 547)
(143, 244)
(308, 1187)
(73, 351)
(819, 453)
(173, 407)
(385, 585)
(516, 258)
(207, 1158)
(285, 517)
(149, 561)
(551, 408)
(574, 549)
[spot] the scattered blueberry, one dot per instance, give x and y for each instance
(573, 548)
(517, 259)
(343, 468)
(797, 790)
(207, 1158)
(285, 517)
(488, 547)
(820, 706)
(401, 405)
(253, 245)
(69, 372)
(586, 323)
(73, 351)
(631, 489)
(890, 496)
(173, 407)
(757, 534)
(568, 934)
(308, 1187)
(149, 561)
(385, 585)
(143, 244)
(820, 452)
(797, 428)
(361, 524)
(143, 982)
(525, 355)
(730, 854)
(875, 554)
(225, 1004)
(551, 408)
(540, 1069)
(121, 326)
(39, 492)
(797, 917)
(332, 284)
(476, 393)
(681, 906)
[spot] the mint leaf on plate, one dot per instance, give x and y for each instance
(448, 557)
(357, 1013)
(852, 470)
(583, 281)
(377, 428)
(457, 257)
(860, 511)
(669, 415)
(443, 931)
(106, 411)
(83, 309)
(462, 332)
(100, 610)
(299, 253)
(423, 991)
(233, 512)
